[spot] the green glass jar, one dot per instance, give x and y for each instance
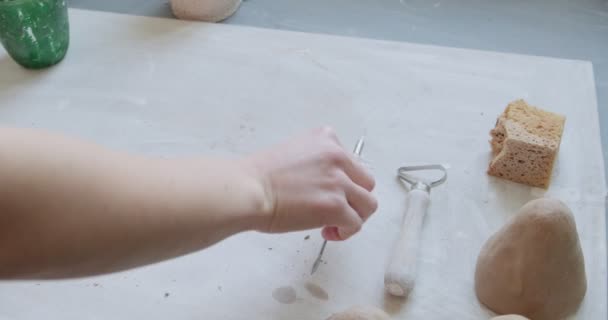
(35, 33)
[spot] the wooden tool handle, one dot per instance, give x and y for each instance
(401, 271)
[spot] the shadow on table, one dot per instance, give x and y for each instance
(160, 27)
(169, 31)
(393, 305)
(13, 75)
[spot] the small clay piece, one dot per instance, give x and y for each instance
(534, 265)
(316, 291)
(285, 295)
(360, 313)
(525, 143)
(510, 317)
(204, 10)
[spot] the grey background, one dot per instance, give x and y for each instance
(555, 28)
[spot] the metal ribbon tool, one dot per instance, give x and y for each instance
(400, 274)
(357, 152)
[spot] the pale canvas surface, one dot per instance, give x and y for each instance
(167, 88)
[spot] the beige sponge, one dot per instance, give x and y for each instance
(525, 143)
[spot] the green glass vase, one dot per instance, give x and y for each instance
(35, 33)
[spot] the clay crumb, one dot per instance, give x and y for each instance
(316, 291)
(284, 295)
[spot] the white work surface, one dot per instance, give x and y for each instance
(167, 87)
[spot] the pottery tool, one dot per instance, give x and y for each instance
(357, 152)
(400, 274)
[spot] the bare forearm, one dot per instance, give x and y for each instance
(69, 208)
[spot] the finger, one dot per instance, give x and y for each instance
(361, 200)
(337, 212)
(330, 234)
(329, 132)
(359, 174)
(336, 234)
(346, 233)
(352, 223)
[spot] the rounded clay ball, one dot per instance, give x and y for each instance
(204, 10)
(534, 265)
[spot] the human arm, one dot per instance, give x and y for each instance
(71, 208)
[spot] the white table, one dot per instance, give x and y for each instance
(166, 87)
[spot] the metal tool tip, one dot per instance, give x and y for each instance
(315, 266)
(359, 147)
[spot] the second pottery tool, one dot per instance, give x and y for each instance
(400, 274)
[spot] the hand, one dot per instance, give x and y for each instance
(312, 181)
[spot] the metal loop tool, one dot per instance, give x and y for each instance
(400, 274)
(404, 175)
